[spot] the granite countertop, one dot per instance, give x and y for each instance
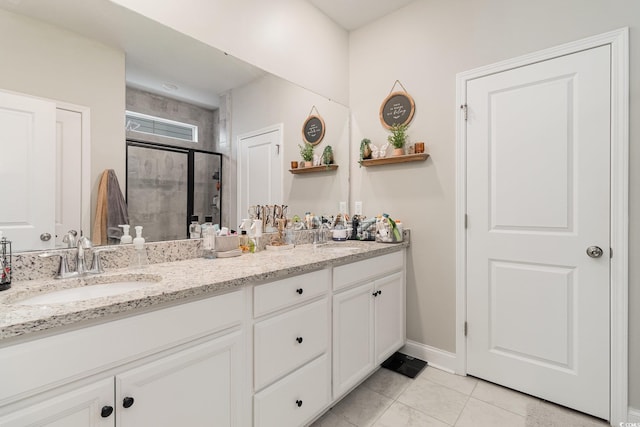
(171, 282)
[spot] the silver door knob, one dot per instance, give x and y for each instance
(594, 251)
(45, 237)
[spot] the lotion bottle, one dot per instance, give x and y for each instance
(139, 259)
(126, 237)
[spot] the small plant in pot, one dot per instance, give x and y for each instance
(327, 155)
(365, 149)
(398, 138)
(306, 151)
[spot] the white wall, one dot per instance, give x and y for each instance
(289, 38)
(45, 61)
(271, 100)
(424, 45)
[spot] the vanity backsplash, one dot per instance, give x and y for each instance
(30, 266)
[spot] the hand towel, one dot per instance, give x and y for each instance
(111, 210)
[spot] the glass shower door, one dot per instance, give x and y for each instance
(157, 191)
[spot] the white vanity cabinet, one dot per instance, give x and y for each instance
(194, 387)
(368, 317)
(292, 364)
(181, 365)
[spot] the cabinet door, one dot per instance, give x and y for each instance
(195, 387)
(82, 407)
(389, 315)
(353, 337)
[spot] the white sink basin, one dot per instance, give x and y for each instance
(86, 292)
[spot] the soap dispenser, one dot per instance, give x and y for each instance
(126, 237)
(139, 258)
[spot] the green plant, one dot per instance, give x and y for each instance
(306, 151)
(398, 136)
(365, 149)
(327, 155)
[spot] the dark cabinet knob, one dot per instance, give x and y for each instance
(375, 294)
(127, 402)
(379, 292)
(299, 339)
(299, 403)
(299, 291)
(106, 411)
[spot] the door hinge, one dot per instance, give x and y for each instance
(466, 221)
(277, 149)
(464, 109)
(610, 253)
(466, 328)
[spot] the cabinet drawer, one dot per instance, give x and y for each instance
(368, 269)
(283, 293)
(285, 342)
(294, 400)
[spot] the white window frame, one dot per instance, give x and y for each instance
(194, 128)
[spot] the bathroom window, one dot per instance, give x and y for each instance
(158, 126)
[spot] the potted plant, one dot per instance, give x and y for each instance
(306, 151)
(398, 138)
(327, 155)
(365, 149)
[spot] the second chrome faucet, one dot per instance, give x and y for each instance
(83, 244)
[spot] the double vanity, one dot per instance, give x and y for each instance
(267, 339)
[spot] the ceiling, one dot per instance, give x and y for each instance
(353, 14)
(155, 55)
(169, 58)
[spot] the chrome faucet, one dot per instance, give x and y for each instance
(81, 265)
(83, 243)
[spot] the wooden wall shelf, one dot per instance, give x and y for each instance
(395, 159)
(312, 169)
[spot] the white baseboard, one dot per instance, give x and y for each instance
(634, 415)
(437, 358)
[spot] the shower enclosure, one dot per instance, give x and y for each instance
(166, 185)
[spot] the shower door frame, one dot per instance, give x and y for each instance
(190, 152)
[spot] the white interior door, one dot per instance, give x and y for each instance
(538, 143)
(68, 173)
(27, 137)
(260, 170)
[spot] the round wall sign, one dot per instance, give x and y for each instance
(397, 109)
(313, 130)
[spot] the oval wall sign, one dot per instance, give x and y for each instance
(397, 109)
(313, 130)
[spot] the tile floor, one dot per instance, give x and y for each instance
(438, 399)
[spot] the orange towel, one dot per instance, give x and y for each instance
(99, 235)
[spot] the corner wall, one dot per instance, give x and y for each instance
(424, 45)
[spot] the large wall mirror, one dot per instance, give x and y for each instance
(100, 58)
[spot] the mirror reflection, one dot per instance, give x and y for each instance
(101, 59)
